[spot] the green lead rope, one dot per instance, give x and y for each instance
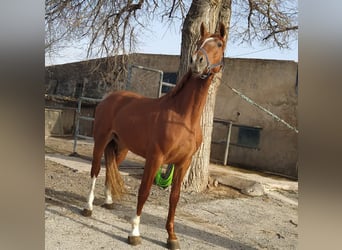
(164, 179)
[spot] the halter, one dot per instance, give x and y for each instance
(209, 66)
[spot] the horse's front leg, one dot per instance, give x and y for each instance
(179, 172)
(151, 168)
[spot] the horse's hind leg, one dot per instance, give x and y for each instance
(120, 155)
(99, 146)
(108, 204)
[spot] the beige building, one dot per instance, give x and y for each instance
(257, 140)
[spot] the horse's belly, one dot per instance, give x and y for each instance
(134, 141)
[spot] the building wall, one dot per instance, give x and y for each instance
(273, 85)
(59, 121)
(270, 83)
(86, 79)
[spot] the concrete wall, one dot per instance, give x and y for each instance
(270, 83)
(87, 79)
(273, 85)
(59, 121)
(76, 79)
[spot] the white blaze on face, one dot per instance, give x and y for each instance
(207, 40)
(194, 57)
(198, 66)
(135, 226)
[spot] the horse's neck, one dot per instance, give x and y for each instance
(190, 100)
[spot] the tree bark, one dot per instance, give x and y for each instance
(210, 12)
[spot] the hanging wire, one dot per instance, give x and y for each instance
(277, 118)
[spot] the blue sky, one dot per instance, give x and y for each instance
(167, 40)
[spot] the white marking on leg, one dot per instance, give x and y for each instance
(135, 226)
(91, 194)
(108, 195)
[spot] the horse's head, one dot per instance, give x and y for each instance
(208, 57)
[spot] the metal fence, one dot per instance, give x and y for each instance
(79, 117)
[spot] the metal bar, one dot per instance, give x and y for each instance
(90, 99)
(146, 68)
(246, 126)
(164, 84)
(85, 137)
(160, 89)
(87, 118)
(160, 83)
(78, 112)
(218, 120)
(59, 108)
(168, 84)
(225, 162)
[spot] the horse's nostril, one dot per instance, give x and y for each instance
(201, 59)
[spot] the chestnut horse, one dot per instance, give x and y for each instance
(163, 130)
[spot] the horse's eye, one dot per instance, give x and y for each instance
(219, 44)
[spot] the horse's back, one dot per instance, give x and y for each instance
(116, 100)
(118, 106)
(121, 97)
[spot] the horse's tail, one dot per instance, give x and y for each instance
(113, 176)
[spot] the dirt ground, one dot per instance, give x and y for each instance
(219, 218)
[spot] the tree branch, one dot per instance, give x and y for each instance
(280, 31)
(268, 19)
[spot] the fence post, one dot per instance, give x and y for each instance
(77, 123)
(225, 162)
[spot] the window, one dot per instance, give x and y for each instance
(79, 90)
(248, 137)
(169, 77)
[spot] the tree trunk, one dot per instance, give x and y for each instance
(210, 12)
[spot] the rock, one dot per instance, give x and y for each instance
(255, 189)
(248, 187)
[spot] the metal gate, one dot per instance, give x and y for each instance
(145, 74)
(79, 117)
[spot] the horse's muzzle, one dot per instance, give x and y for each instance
(198, 63)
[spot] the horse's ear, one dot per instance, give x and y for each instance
(203, 30)
(222, 30)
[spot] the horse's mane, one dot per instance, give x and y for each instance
(180, 84)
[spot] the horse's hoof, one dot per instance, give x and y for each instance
(108, 206)
(134, 240)
(86, 212)
(173, 244)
